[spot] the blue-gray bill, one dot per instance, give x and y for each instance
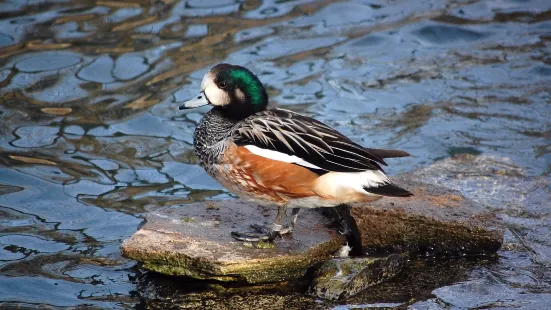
(199, 101)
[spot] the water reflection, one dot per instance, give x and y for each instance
(90, 139)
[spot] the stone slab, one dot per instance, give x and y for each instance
(436, 221)
(194, 240)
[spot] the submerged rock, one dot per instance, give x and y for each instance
(340, 278)
(436, 221)
(522, 201)
(194, 240)
(162, 292)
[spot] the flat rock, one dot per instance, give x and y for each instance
(522, 201)
(194, 240)
(340, 278)
(436, 221)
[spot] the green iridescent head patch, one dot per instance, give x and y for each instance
(250, 85)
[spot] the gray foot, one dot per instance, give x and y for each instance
(249, 237)
(264, 233)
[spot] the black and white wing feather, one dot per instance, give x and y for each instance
(309, 140)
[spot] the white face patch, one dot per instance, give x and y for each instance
(215, 95)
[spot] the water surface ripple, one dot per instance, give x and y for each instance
(90, 139)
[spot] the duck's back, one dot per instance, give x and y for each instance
(284, 157)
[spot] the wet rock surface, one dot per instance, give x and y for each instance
(417, 281)
(194, 240)
(496, 184)
(520, 277)
(436, 221)
(340, 278)
(164, 292)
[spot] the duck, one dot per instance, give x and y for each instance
(280, 158)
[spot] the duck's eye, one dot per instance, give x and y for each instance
(223, 85)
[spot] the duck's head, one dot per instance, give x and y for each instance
(234, 89)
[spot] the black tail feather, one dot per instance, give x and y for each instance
(388, 153)
(390, 190)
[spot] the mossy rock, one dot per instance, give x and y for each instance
(169, 243)
(340, 278)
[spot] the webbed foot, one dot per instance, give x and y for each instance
(263, 233)
(249, 237)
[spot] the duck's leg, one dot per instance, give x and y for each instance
(270, 234)
(277, 227)
(295, 216)
(289, 228)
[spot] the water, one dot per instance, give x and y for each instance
(90, 138)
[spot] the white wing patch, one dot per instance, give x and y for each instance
(275, 155)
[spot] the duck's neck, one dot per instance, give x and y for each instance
(210, 135)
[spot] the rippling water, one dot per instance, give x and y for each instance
(90, 138)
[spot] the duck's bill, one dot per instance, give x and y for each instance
(198, 101)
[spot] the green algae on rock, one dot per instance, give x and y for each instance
(204, 248)
(340, 278)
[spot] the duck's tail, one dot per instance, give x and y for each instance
(387, 153)
(388, 189)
